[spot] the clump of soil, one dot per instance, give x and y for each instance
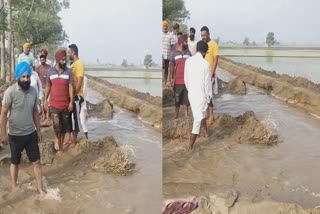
(245, 128)
(110, 157)
(177, 128)
(105, 108)
(236, 86)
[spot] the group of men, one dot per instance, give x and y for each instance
(63, 98)
(190, 66)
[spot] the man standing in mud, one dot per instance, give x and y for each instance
(20, 101)
(59, 87)
(212, 58)
(178, 59)
(77, 68)
(197, 81)
(43, 72)
(166, 49)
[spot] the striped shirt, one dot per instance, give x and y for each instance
(59, 93)
(179, 59)
(166, 45)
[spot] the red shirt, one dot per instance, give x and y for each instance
(179, 59)
(43, 72)
(59, 93)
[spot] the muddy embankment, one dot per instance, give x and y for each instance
(112, 159)
(147, 107)
(297, 91)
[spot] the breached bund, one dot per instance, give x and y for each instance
(147, 108)
(298, 91)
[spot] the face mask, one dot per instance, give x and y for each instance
(25, 85)
(62, 66)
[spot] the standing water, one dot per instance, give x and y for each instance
(81, 190)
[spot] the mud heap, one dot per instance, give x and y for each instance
(244, 128)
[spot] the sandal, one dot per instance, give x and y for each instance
(187, 207)
(172, 207)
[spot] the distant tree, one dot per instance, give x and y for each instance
(254, 43)
(246, 41)
(132, 65)
(124, 63)
(270, 40)
(148, 60)
(174, 10)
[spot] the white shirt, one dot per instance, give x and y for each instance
(23, 57)
(36, 83)
(198, 83)
(192, 45)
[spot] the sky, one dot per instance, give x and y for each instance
(292, 21)
(114, 30)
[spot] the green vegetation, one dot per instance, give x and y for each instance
(33, 21)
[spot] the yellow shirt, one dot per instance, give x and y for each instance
(212, 51)
(78, 71)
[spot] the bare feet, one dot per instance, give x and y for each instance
(205, 134)
(210, 121)
(59, 153)
(42, 193)
(14, 188)
(72, 145)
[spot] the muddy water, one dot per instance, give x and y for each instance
(286, 172)
(81, 190)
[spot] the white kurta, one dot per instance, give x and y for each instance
(198, 83)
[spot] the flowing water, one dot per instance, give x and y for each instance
(143, 81)
(302, 63)
(81, 190)
(286, 172)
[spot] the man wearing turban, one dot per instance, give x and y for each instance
(59, 87)
(26, 55)
(166, 49)
(19, 110)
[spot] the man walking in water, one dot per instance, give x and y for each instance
(59, 86)
(212, 57)
(197, 81)
(20, 101)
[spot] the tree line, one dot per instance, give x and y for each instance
(33, 21)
